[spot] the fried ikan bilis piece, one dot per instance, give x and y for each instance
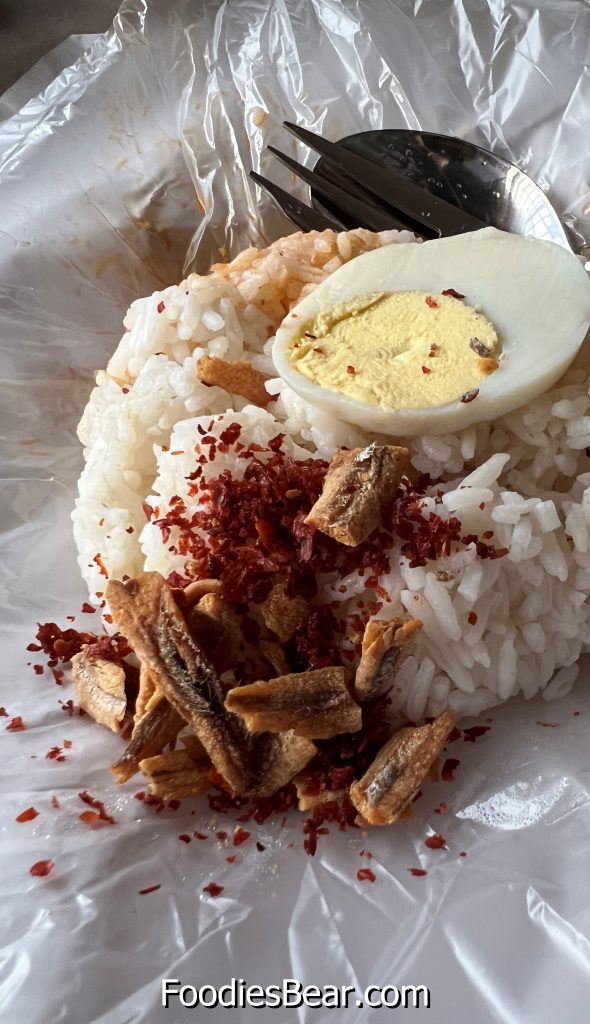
(278, 757)
(100, 689)
(398, 769)
(283, 614)
(147, 688)
(176, 775)
(159, 726)
(315, 704)
(146, 613)
(384, 647)
(358, 485)
(240, 378)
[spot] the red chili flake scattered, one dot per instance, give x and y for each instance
(101, 566)
(3, 713)
(41, 868)
(470, 735)
(33, 647)
(365, 875)
(222, 836)
(318, 351)
(448, 768)
(260, 846)
(90, 818)
(576, 713)
(173, 805)
(97, 805)
(351, 370)
(28, 815)
(148, 510)
(67, 744)
(441, 809)
(55, 803)
(16, 724)
(463, 853)
(88, 609)
(231, 859)
(472, 618)
(482, 505)
(184, 838)
(431, 302)
(200, 835)
(55, 754)
(161, 307)
(435, 842)
(469, 396)
(150, 888)
(426, 369)
(455, 734)
(453, 293)
(487, 534)
(213, 889)
(417, 872)
(68, 706)
(38, 669)
(58, 676)
(240, 836)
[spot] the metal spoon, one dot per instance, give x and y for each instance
(479, 182)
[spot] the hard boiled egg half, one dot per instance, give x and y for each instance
(432, 337)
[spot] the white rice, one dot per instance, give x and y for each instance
(525, 476)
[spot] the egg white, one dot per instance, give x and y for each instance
(535, 293)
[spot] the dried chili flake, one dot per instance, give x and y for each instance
(455, 734)
(90, 818)
(28, 815)
(351, 370)
(38, 669)
(453, 293)
(442, 808)
(472, 618)
(221, 835)
(16, 724)
(173, 805)
(55, 803)
(426, 369)
(365, 875)
(88, 609)
(435, 842)
(101, 566)
(240, 836)
(318, 351)
(58, 676)
(150, 888)
(260, 846)
(200, 835)
(213, 889)
(474, 732)
(487, 534)
(448, 769)
(463, 853)
(417, 872)
(432, 303)
(231, 859)
(184, 838)
(41, 868)
(230, 434)
(55, 754)
(3, 713)
(161, 307)
(97, 805)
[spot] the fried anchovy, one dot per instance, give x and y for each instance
(148, 616)
(100, 688)
(385, 645)
(315, 704)
(158, 726)
(358, 485)
(398, 769)
(175, 775)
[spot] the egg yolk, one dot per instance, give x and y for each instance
(401, 350)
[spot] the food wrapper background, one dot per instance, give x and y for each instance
(102, 147)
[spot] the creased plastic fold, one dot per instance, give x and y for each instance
(124, 158)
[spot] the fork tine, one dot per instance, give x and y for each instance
(364, 214)
(395, 189)
(302, 216)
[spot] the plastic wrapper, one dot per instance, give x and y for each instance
(120, 155)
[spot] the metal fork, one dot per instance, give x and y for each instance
(434, 185)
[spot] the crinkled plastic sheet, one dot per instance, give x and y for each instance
(99, 163)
